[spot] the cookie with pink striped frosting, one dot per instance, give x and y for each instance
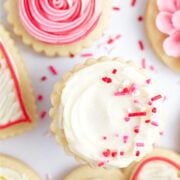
(163, 30)
(59, 27)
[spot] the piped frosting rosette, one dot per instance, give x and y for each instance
(70, 23)
(111, 119)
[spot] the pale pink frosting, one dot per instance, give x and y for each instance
(168, 22)
(60, 21)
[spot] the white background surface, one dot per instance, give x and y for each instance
(38, 148)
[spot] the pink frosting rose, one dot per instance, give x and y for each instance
(168, 22)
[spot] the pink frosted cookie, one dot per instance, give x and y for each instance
(17, 104)
(58, 27)
(163, 30)
(161, 164)
(111, 119)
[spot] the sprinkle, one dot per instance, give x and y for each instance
(104, 137)
(154, 123)
(140, 18)
(156, 98)
(133, 3)
(140, 144)
(114, 154)
(43, 78)
(43, 114)
(114, 71)
(115, 8)
(152, 68)
(118, 36)
(154, 110)
(147, 121)
(125, 139)
(110, 41)
(71, 55)
(106, 153)
(143, 63)
(86, 55)
(161, 133)
(122, 153)
(40, 97)
(107, 79)
(137, 114)
(137, 153)
(136, 129)
(141, 45)
(53, 70)
(149, 103)
(148, 81)
(126, 119)
(100, 164)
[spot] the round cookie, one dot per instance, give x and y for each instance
(157, 38)
(111, 119)
(59, 27)
(87, 172)
(161, 164)
(11, 168)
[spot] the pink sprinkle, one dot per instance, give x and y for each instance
(100, 164)
(115, 8)
(156, 97)
(152, 68)
(118, 36)
(133, 3)
(110, 41)
(53, 70)
(106, 153)
(43, 114)
(137, 114)
(71, 55)
(148, 81)
(104, 137)
(40, 97)
(125, 139)
(136, 129)
(161, 133)
(140, 144)
(147, 121)
(140, 18)
(143, 63)
(86, 55)
(114, 71)
(154, 123)
(107, 79)
(150, 103)
(114, 154)
(132, 88)
(154, 110)
(122, 153)
(141, 45)
(43, 78)
(137, 153)
(126, 119)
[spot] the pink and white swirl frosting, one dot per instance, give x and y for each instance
(168, 22)
(60, 21)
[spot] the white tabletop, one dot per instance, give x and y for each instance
(38, 148)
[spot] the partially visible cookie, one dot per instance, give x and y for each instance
(13, 169)
(161, 164)
(17, 102)
(90, 173)
(162, 23)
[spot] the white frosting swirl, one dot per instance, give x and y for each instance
(10, 174)
(158, 171)
(8, 96)
(94, 113)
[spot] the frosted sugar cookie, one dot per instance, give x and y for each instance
(17, 103)
(87, 172)
(13, 169)
(162, 23)
(107, 112)
(59, 27)
(161, 164)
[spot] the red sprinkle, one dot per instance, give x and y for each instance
(137, 153)
(136, 129)
(156, 98)
(122, 153)
(86, 55)
(148, 81)
(114, 71)
(125, 139)
(43, 78)
(43, 114)
(147, 121)
(141, 45)
(137, 114)
(149, 103)
(40, 97)
(154, 110)
(154, 123)
(106, 153)
(140, 18)
(100, 164)
(133, 3)
(53, 70)
(114, 154)
(107, 79)
(110, 41)
(104, 137)
(71, 55)
(115, 8)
